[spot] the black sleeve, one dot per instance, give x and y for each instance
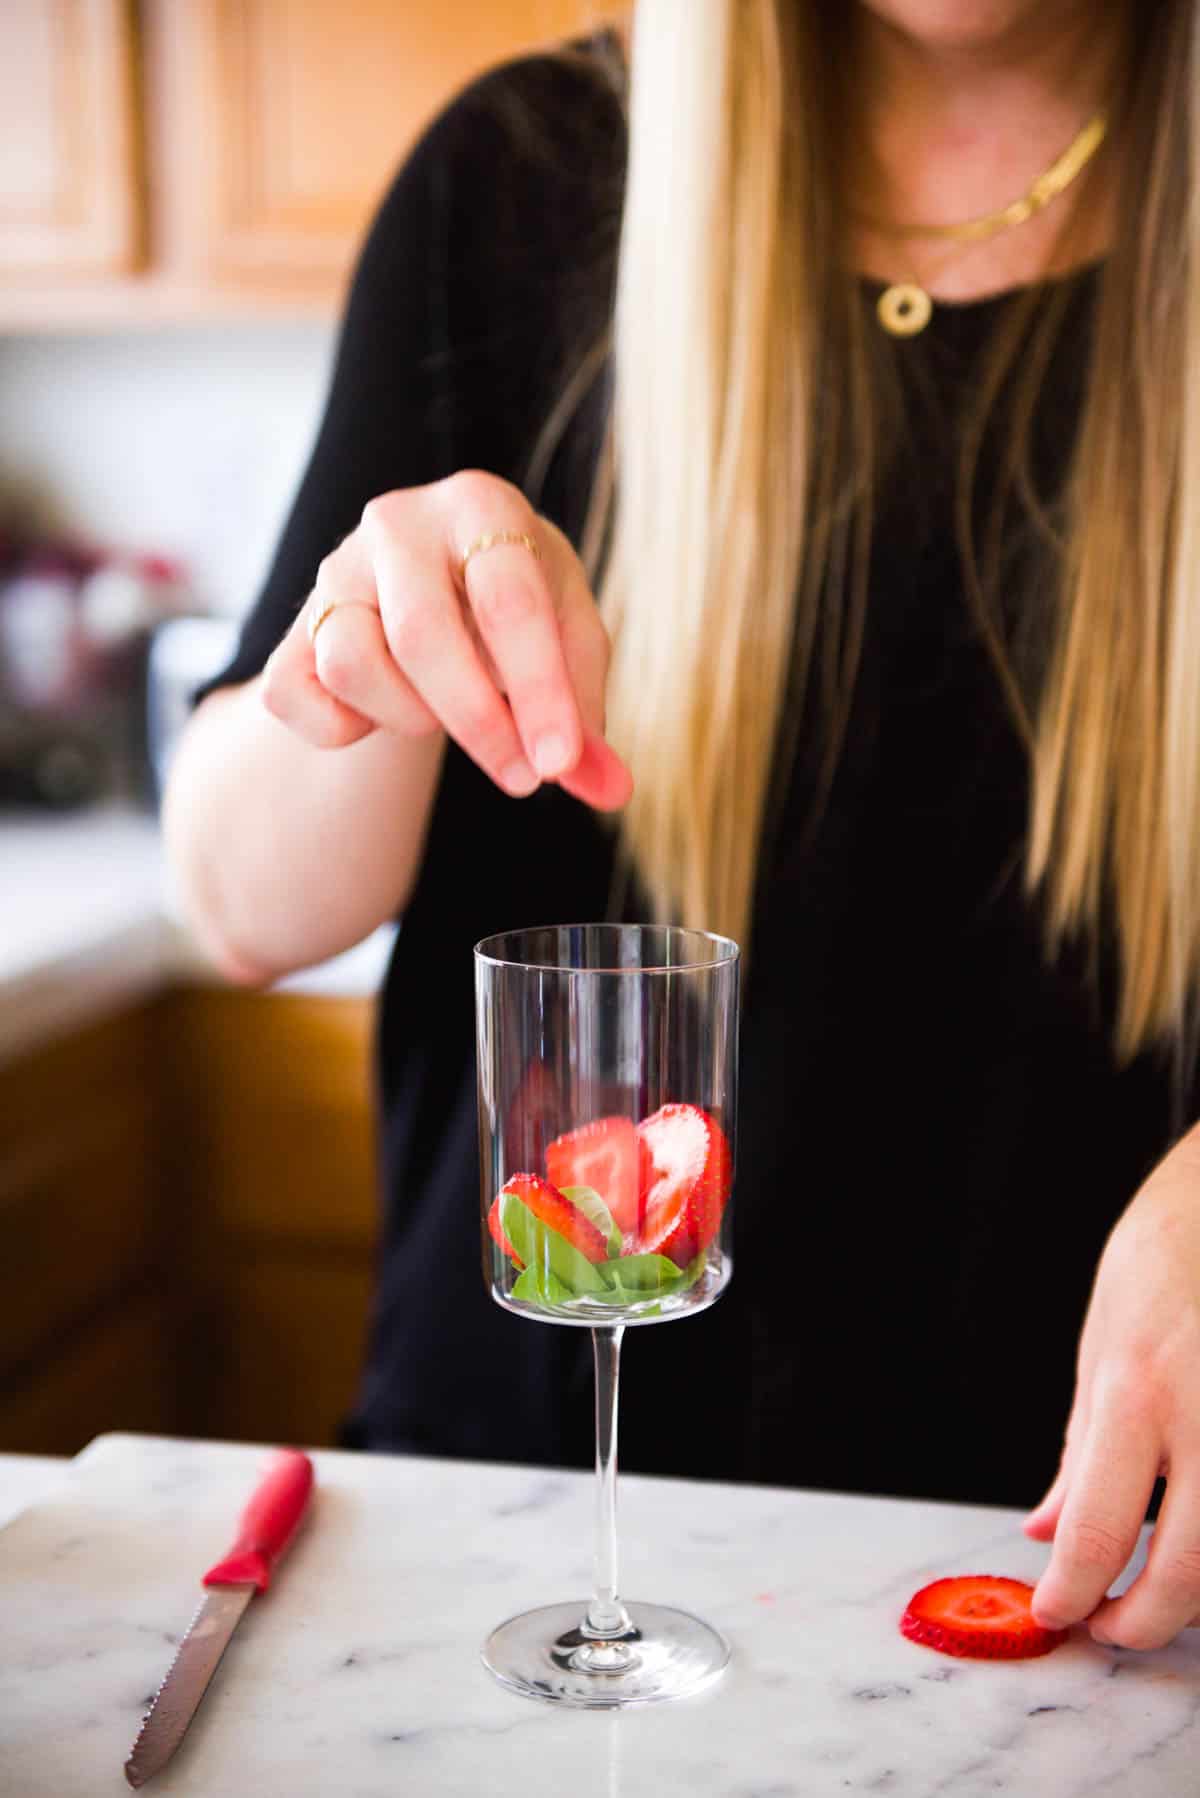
(483, 266)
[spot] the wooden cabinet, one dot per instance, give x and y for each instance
(271, 1098)
(284, 118)
(285, 1335)
(70, 199)
(117, 1375)
(87, 1282)
(187, 1222)
(266, 130)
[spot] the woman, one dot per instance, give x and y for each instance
(889, 493)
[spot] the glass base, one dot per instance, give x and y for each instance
(551, 1655)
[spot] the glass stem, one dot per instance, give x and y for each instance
(606, 1615)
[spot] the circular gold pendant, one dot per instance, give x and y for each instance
(905, 309)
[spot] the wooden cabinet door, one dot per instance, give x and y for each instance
(270, 1097)
(281, 120)
(117, 1376)
(69, 195)
(89, 1279)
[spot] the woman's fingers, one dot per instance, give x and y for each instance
(518, 602)
(512, 599)
(508, 655)
(292, 693)
(353, 663)
(599, 778)
(428, 638)
(292, 688)
(1165, 1597)
(1042, 1522)
(1110, 1486)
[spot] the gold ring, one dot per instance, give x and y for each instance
(318, 618)
(495, 540)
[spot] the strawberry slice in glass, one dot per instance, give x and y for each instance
(607, 1156)
(689, 1176)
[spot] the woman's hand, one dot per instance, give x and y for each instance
(509, 658)
(1136, 1415)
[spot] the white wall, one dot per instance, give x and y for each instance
(183, 441)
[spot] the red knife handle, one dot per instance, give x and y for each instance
(267, 1524)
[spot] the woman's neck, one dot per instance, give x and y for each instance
(939, 131)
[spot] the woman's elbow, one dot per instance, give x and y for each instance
(206, 921)
(234, 966)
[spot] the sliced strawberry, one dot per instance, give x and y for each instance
(558, 1214)
(979, 1616)
(689, 1177)
(535, 1098)
(605, 1156)
(498, 1235)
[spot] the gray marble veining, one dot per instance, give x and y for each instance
(358, 1675)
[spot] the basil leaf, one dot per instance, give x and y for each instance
(635, 1276)
(648, 1273)
(540, 1286)
(588, 1200)
(650, 1276)
(543, 1249)
(693, 1271)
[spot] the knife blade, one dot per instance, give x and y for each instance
(265, 1530)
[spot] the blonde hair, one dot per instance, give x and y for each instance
(729, 528)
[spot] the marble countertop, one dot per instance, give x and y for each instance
(358, 1674)
(25, 1478)
(89, 924)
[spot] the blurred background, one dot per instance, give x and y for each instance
(186, 1184)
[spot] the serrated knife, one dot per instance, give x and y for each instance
(265, 1529)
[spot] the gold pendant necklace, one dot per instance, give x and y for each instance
(905, 308)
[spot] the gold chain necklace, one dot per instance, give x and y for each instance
(905, 307)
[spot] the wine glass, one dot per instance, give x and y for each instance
(607, 1059)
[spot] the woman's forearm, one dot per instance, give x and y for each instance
(283, 853)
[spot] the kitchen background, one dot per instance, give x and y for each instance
(186, 1184)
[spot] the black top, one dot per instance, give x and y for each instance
(934, 1136)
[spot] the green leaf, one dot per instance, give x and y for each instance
(644, 1273)
(588, 1200)
(540, 1286)
(543, 1249)
(693, 1271)
(649, 1276)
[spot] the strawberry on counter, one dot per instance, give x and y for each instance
(978, 1616)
